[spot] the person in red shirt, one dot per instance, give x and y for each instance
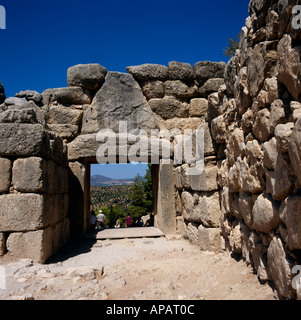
(128, 221)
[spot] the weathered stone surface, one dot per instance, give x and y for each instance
(15, 206)
(279, 182)
(289, 66)
(178, 89)
(89, 76)
(213, 106)
(210, 86)
(235, 139)
(283, 134)
(37, 211)
(64, 131)
(280, 268)
(39, 175)
(205, 70)
(206, 181)
(30, 95)
(265, 214)
(180, 71)
(25, 140)
(153, 89)
(294, 149)
(67, 96)
(201, 207)
(146, 72)
(219, 129)
(277, 114)
(119, 99)
(270, 152)
(5, 174)
(290, 215)
(246, 202)
(168, 108)
(261, 62)
(209, 239)
(17, 102)
(36, 245)
(64, 115)
(26, 113)
(198, 107)
(261, 127)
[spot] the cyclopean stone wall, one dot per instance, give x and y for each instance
(247, 199)
(256, 118)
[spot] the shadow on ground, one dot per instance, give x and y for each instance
(71, 249)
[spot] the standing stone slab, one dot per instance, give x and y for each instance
(209, 239)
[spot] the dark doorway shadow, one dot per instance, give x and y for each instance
(71, 249)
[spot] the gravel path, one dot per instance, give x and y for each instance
(133, 269)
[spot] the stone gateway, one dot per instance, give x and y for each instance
(246, 200)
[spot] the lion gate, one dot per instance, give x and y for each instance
(49, 140)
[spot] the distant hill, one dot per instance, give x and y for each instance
(100, 181)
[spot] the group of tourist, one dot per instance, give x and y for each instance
(99, 221)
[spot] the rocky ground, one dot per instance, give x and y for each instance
(133, 269)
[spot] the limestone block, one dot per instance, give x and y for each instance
(290, 215)
(39, 175)
(30, 212)
(169, 108)
(30, 95)
(205, 70)
(198, 107)
(178, 89)
(89, 76)
(181, 226)
(192, 233)
(64, 115)
(277, 114)
(280, 268)
(35, 245)
(294, 149)
(261, 61)
(67, 96)
(27, 140)
(283, 134)
(205, 181)
(219, 129)
(202, 208)
(64, 131)
(209, 239)
(265, 214)
(235, 138)
(5, 174)
(27, 113)
(270, 153)
(245, 206)
(153, 89)
(147, 72)
(289, 66)
(180, 71)
(261, 128)
(210, 86)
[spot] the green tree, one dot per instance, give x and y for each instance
(141, 195)
(233, 45)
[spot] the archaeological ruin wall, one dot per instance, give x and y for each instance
(247, 198)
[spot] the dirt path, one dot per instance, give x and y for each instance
(147, 268)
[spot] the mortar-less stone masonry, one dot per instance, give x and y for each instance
(249, 109)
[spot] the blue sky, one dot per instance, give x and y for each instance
(44, 38)
(119, 171)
